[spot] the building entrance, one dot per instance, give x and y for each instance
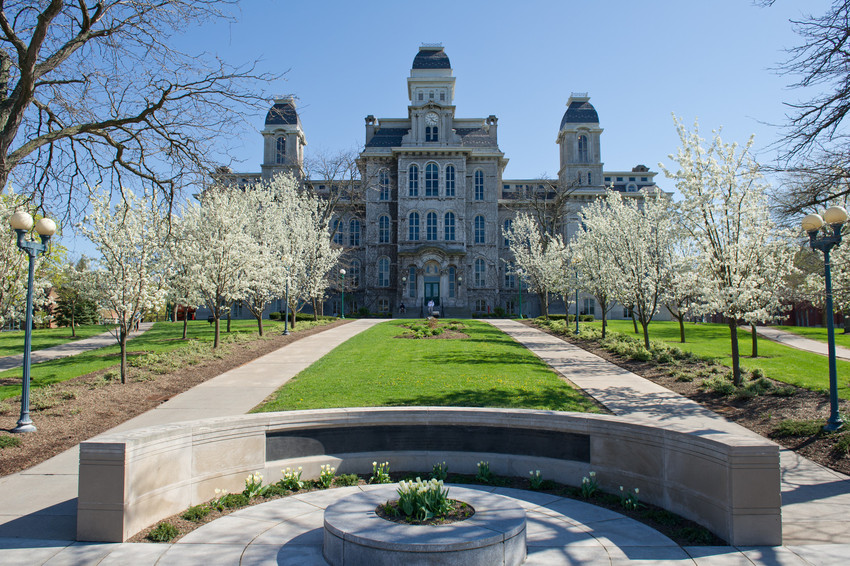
(432, 293)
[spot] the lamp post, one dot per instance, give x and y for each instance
(835, 217)
(286, 263)
(342, 286)
(22, 222)
(519, 276)
(575, 262)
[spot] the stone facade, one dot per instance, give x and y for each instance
(433, 203)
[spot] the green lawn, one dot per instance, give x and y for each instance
(819, 334)
(488, 369)
(163, 337)
(12, 343)
(779, 362)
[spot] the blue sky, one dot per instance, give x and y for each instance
(639, 61)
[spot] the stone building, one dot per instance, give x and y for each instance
(432, 205)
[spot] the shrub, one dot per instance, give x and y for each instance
(163, 532)
(234, 500)
(274, 316)
(343, 480)
(43, 398)
(842, 447)
(719, 386)
(791, 427)
(9, 442)
(499, 312)
(196, 513)
(585, 318)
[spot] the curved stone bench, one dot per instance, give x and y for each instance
(728, 483)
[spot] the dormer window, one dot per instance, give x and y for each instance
(280, 150)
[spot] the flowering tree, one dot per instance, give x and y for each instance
(75, 288)
(129, 279)
(724, 210)
(636, 237)
(538, 256)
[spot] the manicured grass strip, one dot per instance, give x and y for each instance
(12, 343)
(374, 368)
(163, 337)
(782, 363)
(818, 334)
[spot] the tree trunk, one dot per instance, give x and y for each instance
(260, 323)
(73, 326)
(185, 324)
(682, 329)
(544, 300)
(229, 317)
(645, 326)
(123, 342)
(217, 333)
(634, 321)
(736, 362)
(604, 318)
(846, 326)
(755, 341)
(291, 317)
(315, 309)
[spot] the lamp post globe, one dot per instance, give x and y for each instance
(835, 216)
(342, 299)
(22, 223)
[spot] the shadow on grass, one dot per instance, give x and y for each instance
(552, 398)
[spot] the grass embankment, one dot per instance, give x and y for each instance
(163, 338)
(782, 363)
(375, 368)
(12, 343)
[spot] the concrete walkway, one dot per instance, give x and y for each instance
(70, 348)
(800, 342)
(41, 503)
(815, 500)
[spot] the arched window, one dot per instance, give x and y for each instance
(431, 226)
(479, 185)
(480, 272)
(509, 223)
(384, 272)
(450, 180)
(384, 184)
(354, 232)
(449, 226)
(479, 230)
(432, 175)
(431, 134)
(384, 229)
(583, 156)
(579, 178)
(280, 150)
(411, 282)
(337, 231)
(354, 274)
(589, 178)
(413, 226)
(452, 281)
(413, 181)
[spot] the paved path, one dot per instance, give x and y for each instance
(70, 348)
(799, 342)
(40, 503)
(815, 500)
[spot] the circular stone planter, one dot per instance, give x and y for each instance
(356, 536)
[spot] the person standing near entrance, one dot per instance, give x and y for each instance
(430, 307)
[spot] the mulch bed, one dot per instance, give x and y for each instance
(89, 405)
(460, 512)
(760, 414)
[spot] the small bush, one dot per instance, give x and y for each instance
(274, 316)
(196, 513)
(719, 386)
(9, 442)
(585, 318)
(842, 447)
(43, 398)
(274, 490)
(499, 312)
(757, 374)
(344, 480)
(684, 378)
(234, 500)
(163, 532)
(791, 427)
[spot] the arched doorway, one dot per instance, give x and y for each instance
(431, 281)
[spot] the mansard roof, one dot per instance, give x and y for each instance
(387, 137)
(431, 58)
(580, 112)
(283, 113)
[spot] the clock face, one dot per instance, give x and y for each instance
(431, 118)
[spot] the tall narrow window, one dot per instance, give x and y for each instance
(431, 134)
(411, 282)
(589, 178)
(480, 272)
(449, 226)
(452, 281)
(413, 181)
(509, 223)
(432, 175)
(479, 230)
(413, 226)
(479, 185)
(450, 180)
(354, 274)
(354, 232)
(337, 230)
(431, 226)
(384, 272)
(280, 150)
(510, 275)
(421, 95)
(384, 184)
(442, 96)
(583, 156)
(384, 229)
